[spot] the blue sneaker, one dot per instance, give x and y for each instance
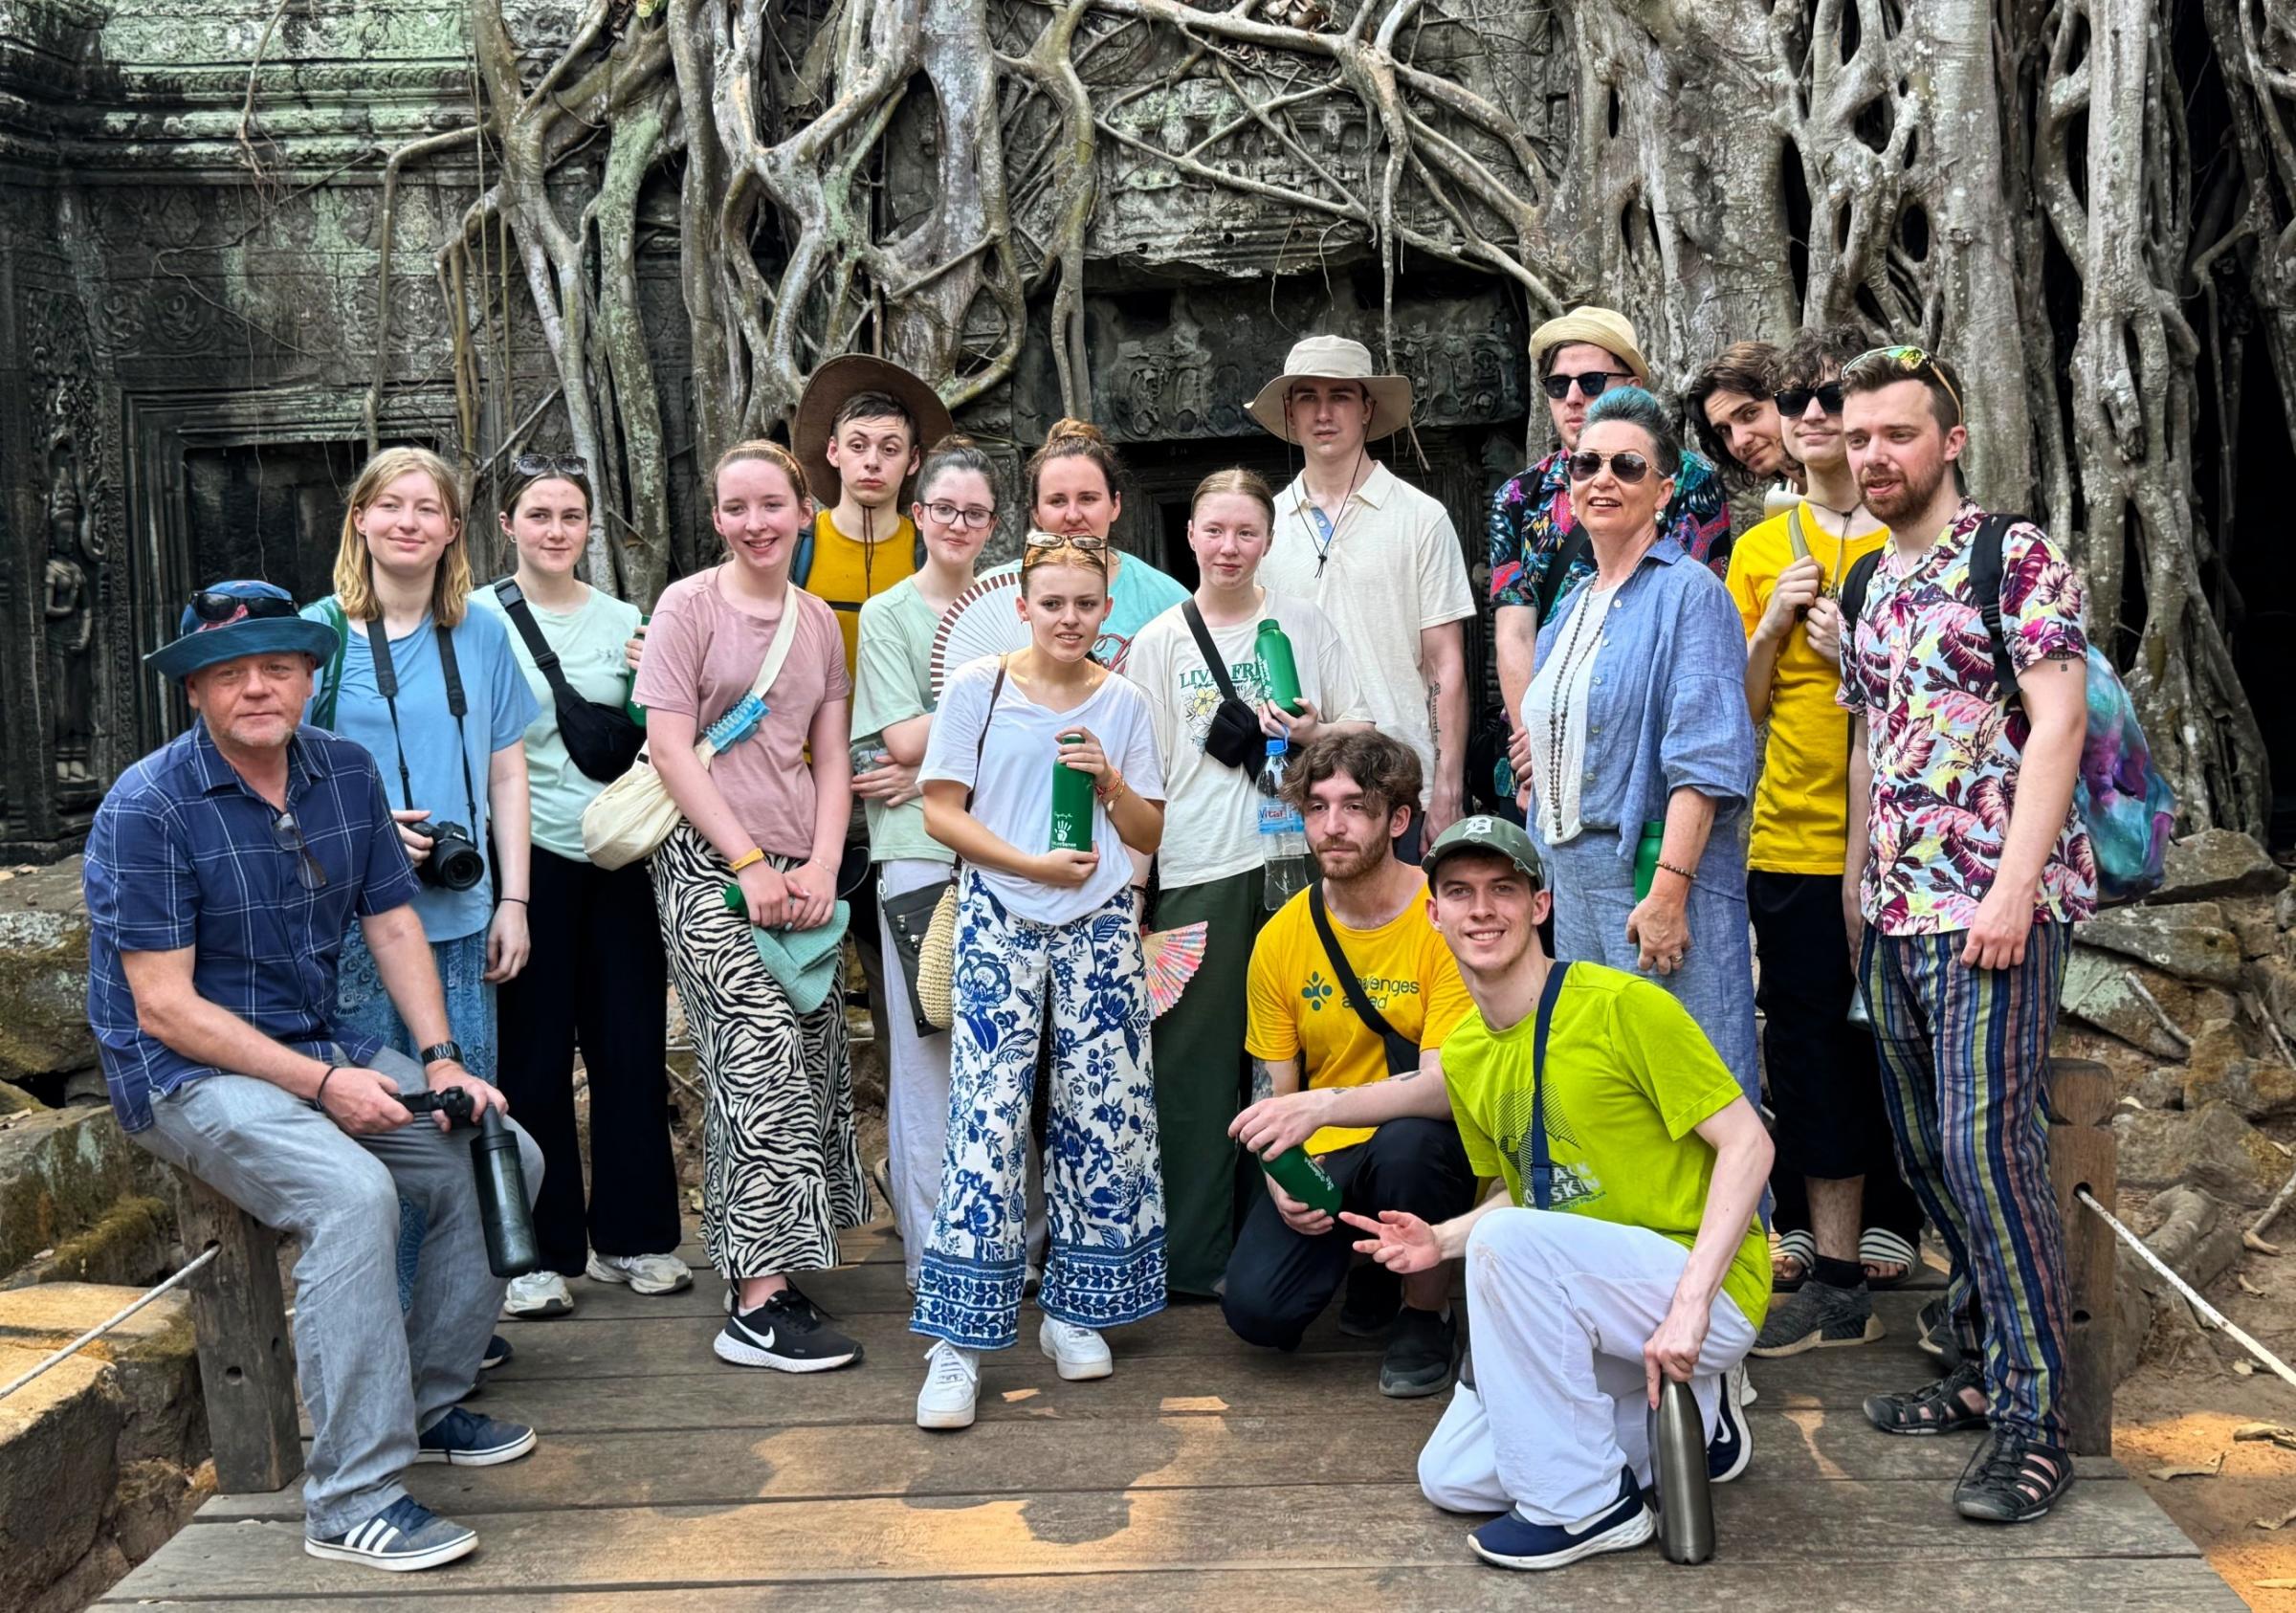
(498, 1352)
(1515, 1541)
(1732, 1448)
(467, 1440)
(402, 1537)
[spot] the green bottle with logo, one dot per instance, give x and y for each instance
(1071, 803)
(1296, 1172)
(1278, 664)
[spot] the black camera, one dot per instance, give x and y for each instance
(454, 863)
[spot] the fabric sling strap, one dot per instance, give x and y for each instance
(1542, 1168)
(1402, 1054)
(521, 617)
(1211, 652)
(387, 684)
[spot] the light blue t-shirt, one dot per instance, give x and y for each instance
(1138, 596)
(498, 707)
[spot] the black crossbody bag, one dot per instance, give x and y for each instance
(601, 740)
(1235, 738)
(1402, 1054)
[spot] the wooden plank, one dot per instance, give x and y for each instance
(1630, 1582)
(1323, 1528)
(2082, 1098)
(239, 1323)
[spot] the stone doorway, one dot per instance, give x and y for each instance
(270, 510)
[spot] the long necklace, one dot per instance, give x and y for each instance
(1832, 585)
(1566, 670)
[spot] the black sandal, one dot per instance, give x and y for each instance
(1937, 1408)
(2012, 1480)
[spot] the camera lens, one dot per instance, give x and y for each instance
(454, 863)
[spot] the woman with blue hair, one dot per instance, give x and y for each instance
(1636, 716)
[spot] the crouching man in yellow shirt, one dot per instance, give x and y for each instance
(1619, 1243)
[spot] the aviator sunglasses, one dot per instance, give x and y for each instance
(1628, 466)
(549, 465)
(1591, 385)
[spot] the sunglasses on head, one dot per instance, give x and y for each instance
(1908, 361)
(216, 607)
(1626, 465)
(549, 465)
(1795, 401)
(1591, 384)
(1089, 544)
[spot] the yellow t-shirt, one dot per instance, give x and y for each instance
(847, 571)
(1629, 1078)
(1298, 1010)
(1801, 806)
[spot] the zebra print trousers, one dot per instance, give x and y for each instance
(781, 1164)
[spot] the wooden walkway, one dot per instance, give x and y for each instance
(1203, 1475)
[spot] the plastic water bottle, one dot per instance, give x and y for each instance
(1283, 834)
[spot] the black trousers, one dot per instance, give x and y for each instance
(596, 979)
(1278, 1282)
(1824, 1076)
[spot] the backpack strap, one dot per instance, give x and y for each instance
(1559, 571)
(323, 714)
(1402, 1054)
(1985, 587)
(1855, 581)
(1542, 1167)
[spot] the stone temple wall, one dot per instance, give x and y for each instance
(187, 317)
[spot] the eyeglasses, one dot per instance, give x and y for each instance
(549, 465)
(1592, 384)
(951, 515)
(1795, 401)
(1628, 466)
(217, 608)
(1912, 360)
(288, 836)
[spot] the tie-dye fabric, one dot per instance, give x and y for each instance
(1945, 747)
(1530, 518)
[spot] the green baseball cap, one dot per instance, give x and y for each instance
(1484, 833)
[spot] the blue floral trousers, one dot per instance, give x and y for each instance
(1083, 983)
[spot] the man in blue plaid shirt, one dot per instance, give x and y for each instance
(220, 875)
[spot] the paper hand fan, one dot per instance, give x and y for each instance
(1172, 957)
(984, 620)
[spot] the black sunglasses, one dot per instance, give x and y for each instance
(1591, 385)
(549, 465)
(288, 836)
(1628, 466)
(1795, 400)
(216, 607)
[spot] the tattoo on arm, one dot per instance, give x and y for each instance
(1263, 1080)
(1434, 714)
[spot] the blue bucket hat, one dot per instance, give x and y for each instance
(229, 620)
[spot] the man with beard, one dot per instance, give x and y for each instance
(1967, 866)
(1358, 939)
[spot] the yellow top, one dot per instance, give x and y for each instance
(847, 571)
(1298, 1010)
(1801, 806)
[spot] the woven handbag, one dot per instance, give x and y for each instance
(937, 953)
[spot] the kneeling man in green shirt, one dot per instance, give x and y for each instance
(1619, 1240)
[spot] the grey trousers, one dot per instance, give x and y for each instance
(371, 1377)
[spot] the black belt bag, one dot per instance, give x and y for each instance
(1235, 738)
(601, 740)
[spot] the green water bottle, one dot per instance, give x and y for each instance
(1298, 1174)
(1071, 803)
(1645, 857)
(1281, 668)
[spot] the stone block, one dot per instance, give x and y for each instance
(2221, 1067)
(44, 974)
(2100, 989)
(154, 1352)
(60, 1466)
(61, 1172)
(2190, 941)
(2218, 862)
(2211, 1148)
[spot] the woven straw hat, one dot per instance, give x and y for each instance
(1605, 327)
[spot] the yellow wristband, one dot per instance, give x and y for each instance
(752, 855)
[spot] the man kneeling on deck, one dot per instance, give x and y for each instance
(1595, 1097)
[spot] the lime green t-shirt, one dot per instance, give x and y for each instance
(1629, 1078)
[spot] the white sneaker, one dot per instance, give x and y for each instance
(952, 1383)
(645, 1273)
(1077, 1352)
(538, 1294)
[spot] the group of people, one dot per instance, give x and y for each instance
(1508, 1020)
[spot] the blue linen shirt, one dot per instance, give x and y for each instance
(1667, 702)
(182, 854)
(496, 708)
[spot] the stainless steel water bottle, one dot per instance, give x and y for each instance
(1686, 1505)
(503, 1209)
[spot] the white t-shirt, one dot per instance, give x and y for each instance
(1392, 568)
(1012, 797)
(1211, 812)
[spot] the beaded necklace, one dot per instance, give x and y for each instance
(1566, 669)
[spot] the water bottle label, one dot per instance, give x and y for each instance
(1278, 817)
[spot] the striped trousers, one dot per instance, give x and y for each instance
(1965, 1070)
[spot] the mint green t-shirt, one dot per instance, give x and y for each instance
(893, 682)
(589, 643)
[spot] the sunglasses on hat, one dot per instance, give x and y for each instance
(215, 609)
(1592, 384)
(1626, 465)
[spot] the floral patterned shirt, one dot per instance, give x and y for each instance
(1945, 747)
(1531, 520)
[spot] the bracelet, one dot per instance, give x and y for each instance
(1687, 877)
(752, 855)
(1114, 795)
(520, 900)
(319, 1098)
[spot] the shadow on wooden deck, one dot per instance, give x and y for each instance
(1205, 1474)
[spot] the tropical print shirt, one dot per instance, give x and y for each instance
(1945, 747)
(1531, 520)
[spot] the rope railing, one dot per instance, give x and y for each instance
(2209, 1312)
(103, 1327)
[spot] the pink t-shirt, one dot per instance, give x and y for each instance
(701, 657)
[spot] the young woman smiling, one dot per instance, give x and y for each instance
(596, 977)
(1211, 867)
(1043, 932)
(781, 1171)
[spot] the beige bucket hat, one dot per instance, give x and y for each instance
(1335, 358)
(1605, 327)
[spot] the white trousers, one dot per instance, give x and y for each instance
(916, 1091)
(1562, 1305)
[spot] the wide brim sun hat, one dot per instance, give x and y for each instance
(1335, 358)
(1606, 328)
(825, 395)
(200, 643)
